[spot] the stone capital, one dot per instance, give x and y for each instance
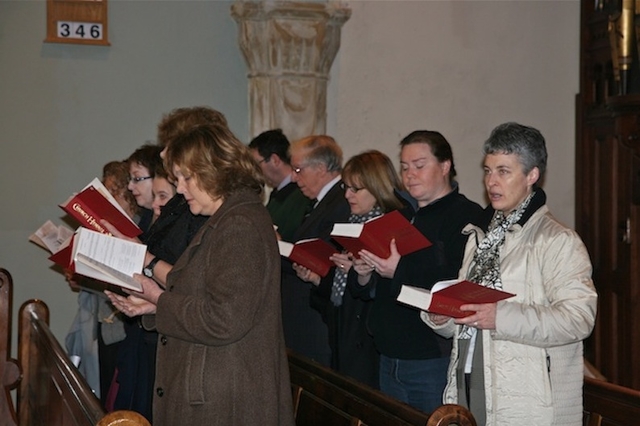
(289, 48)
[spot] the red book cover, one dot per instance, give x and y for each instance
(313, 254)
(91, 205)
(446, 297)
(64, 256)
(376, 234)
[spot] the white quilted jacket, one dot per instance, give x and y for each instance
(533, 361)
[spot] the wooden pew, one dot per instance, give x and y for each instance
(606, 404)
(50, 390)
(9, 369)
(323, 397)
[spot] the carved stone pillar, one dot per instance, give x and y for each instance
(289, 48)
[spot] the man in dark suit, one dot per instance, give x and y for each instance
(317, 164)
(287, 204)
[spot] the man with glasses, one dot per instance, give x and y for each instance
(316, 162)
(287, 204)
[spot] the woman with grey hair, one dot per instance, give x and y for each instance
(519, 361)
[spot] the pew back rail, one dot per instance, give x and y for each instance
(322, 397)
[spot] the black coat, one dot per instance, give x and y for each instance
(305, 331)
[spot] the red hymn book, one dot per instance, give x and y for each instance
(446, 297)
(313, 254)
(376, 234)
(95, 203)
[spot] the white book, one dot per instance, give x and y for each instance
(51, 237)
(107, 258)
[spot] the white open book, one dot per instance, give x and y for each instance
(107, 258)
(50, 236)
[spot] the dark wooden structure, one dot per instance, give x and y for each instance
(323, 397)
(607, 404)
(608, 187)
(51, 392)
(9, 369)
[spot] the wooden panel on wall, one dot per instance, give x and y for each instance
(77, 22)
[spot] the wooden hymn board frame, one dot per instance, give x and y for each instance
(77, 22)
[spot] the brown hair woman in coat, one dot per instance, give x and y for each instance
(221, 357)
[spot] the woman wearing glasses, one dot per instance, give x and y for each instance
(142, 166)
(370, 183)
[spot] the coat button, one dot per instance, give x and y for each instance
(163, 340)
(159, 391)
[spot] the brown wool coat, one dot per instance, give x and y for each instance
(221, 357)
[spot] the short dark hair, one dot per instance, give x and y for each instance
(271, 142)
(148, 155)
(440, 147)
(527, 143)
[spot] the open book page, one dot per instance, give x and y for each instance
(108, 258)
(50, 236)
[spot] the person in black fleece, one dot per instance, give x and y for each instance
(414, 359)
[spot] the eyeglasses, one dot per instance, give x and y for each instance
(353, 189)
(298, 170)
(134, 179)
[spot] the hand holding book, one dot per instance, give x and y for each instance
(312, 253)
(446, 297)
(94, 204)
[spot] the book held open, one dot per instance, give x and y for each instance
(312, 253)
(51, 237)
(446, 297)
(108, 258)
(95, 203)
(376, 234)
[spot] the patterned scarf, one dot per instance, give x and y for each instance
(340, 276)
(485, 268)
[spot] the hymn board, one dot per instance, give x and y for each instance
(77, 21)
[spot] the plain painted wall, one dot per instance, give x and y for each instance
(460, 67)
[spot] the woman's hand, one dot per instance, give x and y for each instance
(138, 303)
(364, 271)
(72, 280)
(385, 267)
(131, 306)
(438, 319)
(483, 318)
(343, 261)
(306, 275)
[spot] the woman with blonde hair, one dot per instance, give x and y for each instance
(371, 185)
(221, 357)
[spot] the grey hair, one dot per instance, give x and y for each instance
(321, 149)
(525, 142)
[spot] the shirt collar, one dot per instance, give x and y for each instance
(325, 189)
(286, 181)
